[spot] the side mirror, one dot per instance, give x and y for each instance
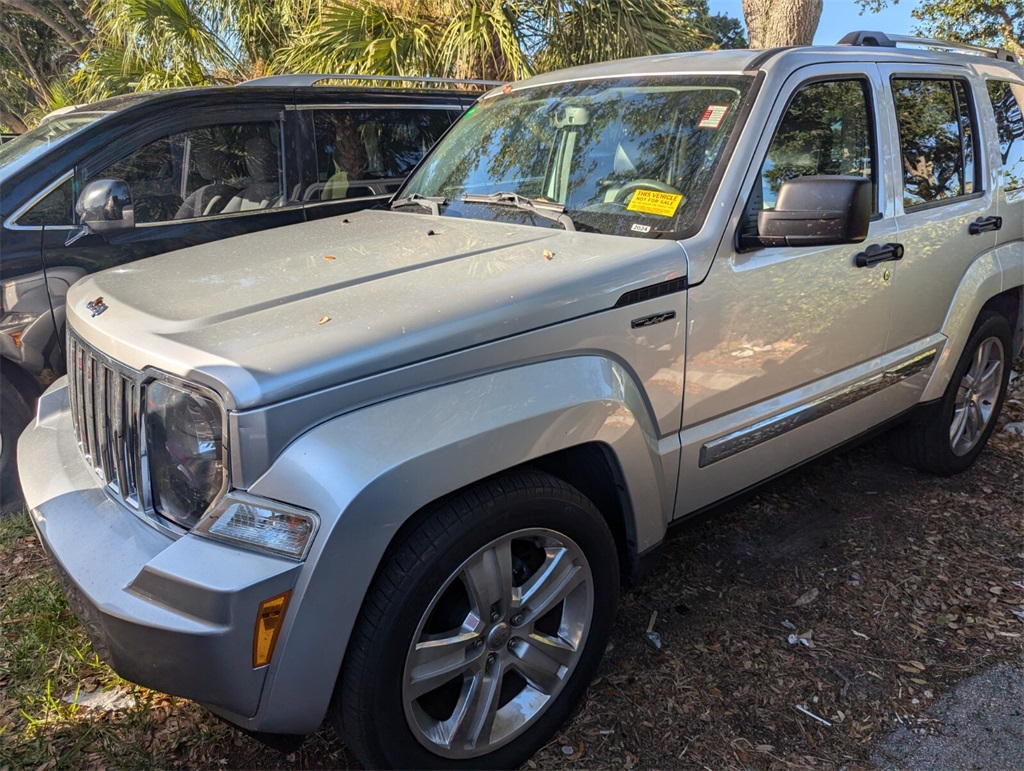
(817, 211)
(105, 206)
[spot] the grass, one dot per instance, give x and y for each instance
(47, 664)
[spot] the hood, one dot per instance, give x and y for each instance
(277, 314)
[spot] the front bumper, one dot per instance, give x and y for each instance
(173, 612)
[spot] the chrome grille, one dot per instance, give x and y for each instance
(106, 409)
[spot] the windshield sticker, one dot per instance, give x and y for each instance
(655, 202)
(713, 116)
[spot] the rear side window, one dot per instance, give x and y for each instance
(368, 152)
(1006, 103)
(937, 140)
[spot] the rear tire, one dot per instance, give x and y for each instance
(482, 630)
(954, 431)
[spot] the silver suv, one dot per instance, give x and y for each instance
(396, 473)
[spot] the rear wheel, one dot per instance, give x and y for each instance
(482, 631)
(956, 429)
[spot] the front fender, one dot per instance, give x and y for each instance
(990, 274)
(366, 473)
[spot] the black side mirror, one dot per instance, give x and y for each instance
(817, 211)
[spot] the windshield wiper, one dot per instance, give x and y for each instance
(547, 209)
(432, 202)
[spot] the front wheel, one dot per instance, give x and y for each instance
(482, 631)
(956, 429)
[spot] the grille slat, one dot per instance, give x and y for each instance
(105, 408)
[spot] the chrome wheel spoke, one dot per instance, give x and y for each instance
(488, 579)
(434, 662)
(474, 714)
(551, 584)
(536, 664)
(990, 378)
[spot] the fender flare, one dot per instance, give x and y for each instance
(368, 472)
(989, 275)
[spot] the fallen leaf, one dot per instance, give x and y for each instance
(548, 254)
(807, 597)
(323, 320)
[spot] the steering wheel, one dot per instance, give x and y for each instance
(631, 187)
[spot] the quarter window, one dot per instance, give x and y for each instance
(826, 130)
(55, 208)
(1006, 103)
(937, 140)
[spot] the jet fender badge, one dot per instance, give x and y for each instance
(97, 306)
(648, 321)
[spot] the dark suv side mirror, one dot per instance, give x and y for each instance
(105, 206)
(817, 211)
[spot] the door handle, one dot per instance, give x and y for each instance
(984, 225)
(877, 253)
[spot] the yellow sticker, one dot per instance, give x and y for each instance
(655, 202)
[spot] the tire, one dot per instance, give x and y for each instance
(519, 555)
(954, 431)
(15, 414)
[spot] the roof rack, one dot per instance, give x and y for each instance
(302, 80)
(880, 39)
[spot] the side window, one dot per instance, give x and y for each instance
(826, 130)
(55, 208)
(367, 152)
(1007, 100)
(204, 172)
(937, 140)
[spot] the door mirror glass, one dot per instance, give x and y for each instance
(818, 211)
(105, 205)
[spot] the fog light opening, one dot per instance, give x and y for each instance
(269, 619)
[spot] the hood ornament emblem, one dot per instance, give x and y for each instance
(97, 306)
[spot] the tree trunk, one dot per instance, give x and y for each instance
(772, 23)
(12, 121)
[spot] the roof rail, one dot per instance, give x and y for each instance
(310, 80)
(880, 39)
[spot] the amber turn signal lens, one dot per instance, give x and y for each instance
(268, 624)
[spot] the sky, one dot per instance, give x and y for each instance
(841, 16)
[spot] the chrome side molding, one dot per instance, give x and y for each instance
(753, 435)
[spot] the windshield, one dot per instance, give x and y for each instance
(626, 156)
(20, 151)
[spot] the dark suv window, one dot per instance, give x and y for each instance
(1010, 125)
(937, 140)
(221, 169)
(826, 130)
(366, 152)
(55, 208)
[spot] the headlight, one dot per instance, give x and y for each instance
(257, 523)
(184, 437)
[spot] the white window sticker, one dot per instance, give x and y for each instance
(713, 116)
(641, 228)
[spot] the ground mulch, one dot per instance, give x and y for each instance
(856, 590)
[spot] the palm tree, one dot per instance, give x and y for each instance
(494, 39)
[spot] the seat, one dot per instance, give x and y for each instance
(211, 198)
(264, 188)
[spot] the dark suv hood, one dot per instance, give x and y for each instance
(276, 314)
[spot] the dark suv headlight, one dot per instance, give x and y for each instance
(186, 455)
